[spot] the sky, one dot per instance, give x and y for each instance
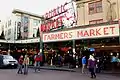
(39, 7)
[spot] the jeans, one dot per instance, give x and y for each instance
(92, 72)
(83, 67)
(37, 66)
(25, 69)
(20, 69)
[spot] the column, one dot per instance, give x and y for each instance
(9, 50)
(74, 54)
(119, 30)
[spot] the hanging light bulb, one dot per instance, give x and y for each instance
(111, 54)
(117, 54)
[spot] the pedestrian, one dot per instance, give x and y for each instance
(38, 59)
(26, 63)
(91, 66)
(20, 61)
(83, 63)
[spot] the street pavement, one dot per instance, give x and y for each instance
(10, 74)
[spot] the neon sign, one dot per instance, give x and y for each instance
(58, 17)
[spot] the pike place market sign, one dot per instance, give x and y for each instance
(82, 33)
(62, 16)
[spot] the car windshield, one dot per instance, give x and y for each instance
(7, 57)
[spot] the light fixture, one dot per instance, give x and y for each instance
(111, 54)
(102, 46)
(117, 54)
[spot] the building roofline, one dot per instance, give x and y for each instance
(28, 13)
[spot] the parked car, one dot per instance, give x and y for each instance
(8, 61)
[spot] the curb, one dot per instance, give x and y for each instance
(55, 68)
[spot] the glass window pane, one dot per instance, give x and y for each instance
(98, 6)
(91, 8)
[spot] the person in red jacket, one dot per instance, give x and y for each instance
(38, 59)
(20, 65)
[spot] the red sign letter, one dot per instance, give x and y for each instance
(112, 29)
(105, 31)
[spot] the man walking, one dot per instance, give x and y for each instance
(38, 59)
(20, 65)
(83, 63)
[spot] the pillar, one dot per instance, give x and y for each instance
(73, 46)
(9, 50)
(119, 30)
(74, 54)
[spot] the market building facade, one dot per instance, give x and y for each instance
(97, 28)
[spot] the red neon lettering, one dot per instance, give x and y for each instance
(79, 33)
(98, 31)
(52, 24)
(56, 23)
(92, 32)
(48, 26)
(105, 31)
(60, 20)
(112, 29)
(86, 33)
(43, 27)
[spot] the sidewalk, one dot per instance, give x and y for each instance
(65, 68)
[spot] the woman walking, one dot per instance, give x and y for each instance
(91, 66)
(26, 63)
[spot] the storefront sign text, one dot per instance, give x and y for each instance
(91, 32)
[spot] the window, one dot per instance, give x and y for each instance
(34, 32)
(91, 8)
(36, 22)
(99, 6)
(95, 7)
(5, 33)
(6, 25)
(9, 23)
(9, 31)
(96, 21)
(7, 57)
(25, 29)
